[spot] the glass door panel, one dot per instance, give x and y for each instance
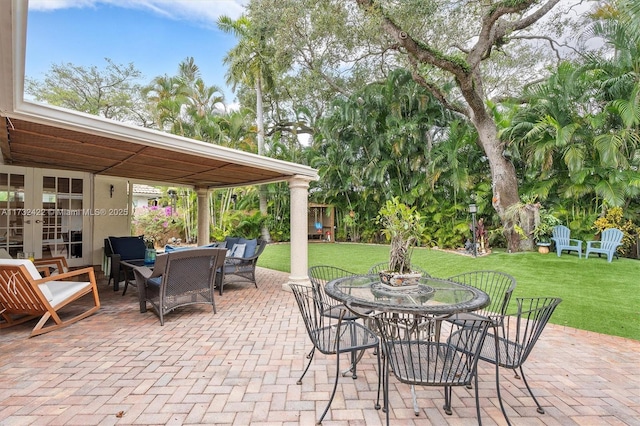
(12, 213)
(53, 207)
(63, 221)
(45, 212)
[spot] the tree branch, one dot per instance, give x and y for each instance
(288, 126)
(494, 30)
(432, 88)
(422, 52)
(552, 44)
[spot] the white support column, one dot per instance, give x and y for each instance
(203, 216)
(299, 191)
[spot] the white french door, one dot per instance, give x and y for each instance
(46, 212)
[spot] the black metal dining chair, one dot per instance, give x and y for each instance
(420, 359)
(319, 276)
(515, 339)
(331, 334)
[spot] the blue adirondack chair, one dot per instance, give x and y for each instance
(609, 241)
(562, 238)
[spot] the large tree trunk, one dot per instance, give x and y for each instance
(504, 181)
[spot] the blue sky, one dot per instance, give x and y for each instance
(154, 35)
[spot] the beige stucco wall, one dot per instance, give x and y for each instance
(115, 220)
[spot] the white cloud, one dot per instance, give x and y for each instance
(205, 12)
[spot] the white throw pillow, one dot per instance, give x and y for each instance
(237, 250)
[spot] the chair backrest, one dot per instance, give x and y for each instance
(311, 308)
(18, 293)
(252, 247)
(330, 334)
(320, 275)
(419, 355)
(382, 266)
(561, 234)
(260, 248)
(128, 247)
(531, 318)
(189, 270)
(29, 266)
(611, 238)
(498, 285)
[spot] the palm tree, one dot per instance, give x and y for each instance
(250, 64)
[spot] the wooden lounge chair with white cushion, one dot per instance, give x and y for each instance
(25, 295)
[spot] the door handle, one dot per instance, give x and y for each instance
(38, 221)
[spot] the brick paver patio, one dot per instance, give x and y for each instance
(240, 367)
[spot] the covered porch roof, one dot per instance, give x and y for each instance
(43, 136)
(37, 135)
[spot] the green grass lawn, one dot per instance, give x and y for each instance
(597, 295)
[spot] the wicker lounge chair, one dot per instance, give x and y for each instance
(240, 269)
(179, 278)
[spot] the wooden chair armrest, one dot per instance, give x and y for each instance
(58, 263)
(59, 277)
(44, 270)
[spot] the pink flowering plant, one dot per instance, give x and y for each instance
(157, 224)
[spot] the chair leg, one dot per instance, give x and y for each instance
(497, 364)
(414, 398)
(355, 357)
(310, 357)
(377, 406)
(333, 393)
(477, 398)
(447, 400)
(385, 387)
(220, 282)
(524, 379)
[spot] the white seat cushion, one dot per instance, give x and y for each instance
(58, 291)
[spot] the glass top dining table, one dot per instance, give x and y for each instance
(432, 296)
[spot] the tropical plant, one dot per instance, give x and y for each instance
(614, 218)
(157, 224)
(544, 228)
(403, 227)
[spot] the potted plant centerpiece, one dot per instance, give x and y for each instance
(403, 227)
